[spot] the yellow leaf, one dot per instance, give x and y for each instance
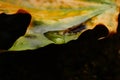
(58, 16)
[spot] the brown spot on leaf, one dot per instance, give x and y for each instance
(22, 11)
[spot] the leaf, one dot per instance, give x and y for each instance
(51, 21)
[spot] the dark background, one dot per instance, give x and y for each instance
(88, 58)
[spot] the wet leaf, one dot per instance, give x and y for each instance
(55, 22)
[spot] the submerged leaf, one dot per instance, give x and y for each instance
(56, 22)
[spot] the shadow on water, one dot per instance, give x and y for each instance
(90, 57)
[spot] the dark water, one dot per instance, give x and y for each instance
(88, 58)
